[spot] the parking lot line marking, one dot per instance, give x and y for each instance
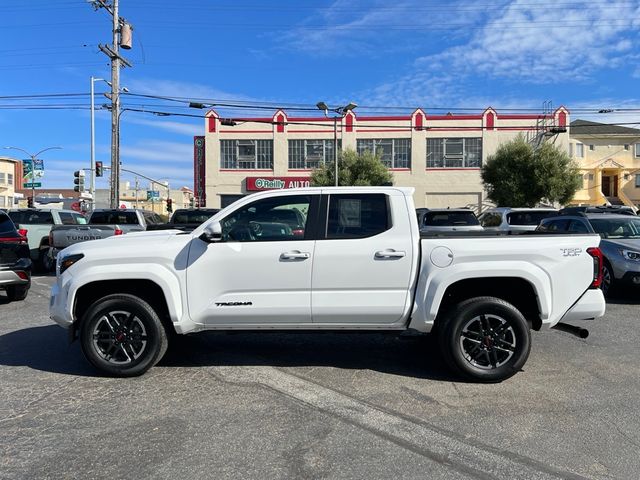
(481, 461)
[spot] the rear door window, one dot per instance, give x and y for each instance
(528, 217)
(554, 226)
(491, 219)
(577, 226)
(31, 217)
(357, 215)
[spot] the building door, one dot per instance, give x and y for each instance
(610, 185)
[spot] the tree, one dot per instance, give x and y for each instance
(518, 175)
(364, 169)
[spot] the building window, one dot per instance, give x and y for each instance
(637, 180)
(592, 147)
(626, 146)
(3, 201)
(637, 148)
(10, 178)
(3, 177)
(454, 152)
(579, 150)
(393, 152)
(246, 154)
(308, 154)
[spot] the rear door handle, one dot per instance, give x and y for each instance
(295, 255)
(390, 253)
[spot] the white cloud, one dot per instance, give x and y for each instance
(190, 129)
(175, 88)
(525, 43)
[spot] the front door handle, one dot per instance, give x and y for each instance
(295, 255)
(390, 253)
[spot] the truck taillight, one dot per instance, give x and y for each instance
(23, 233)
(117, 231)
(596, 254)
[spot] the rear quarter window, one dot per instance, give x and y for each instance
(6, 225)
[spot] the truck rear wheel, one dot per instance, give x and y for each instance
(122, 335)
(485, 339)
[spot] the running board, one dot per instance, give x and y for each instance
(572, 329)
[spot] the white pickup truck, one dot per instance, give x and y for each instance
(354, 261)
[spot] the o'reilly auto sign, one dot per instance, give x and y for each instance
(255, 184)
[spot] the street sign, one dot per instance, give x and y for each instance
(153, 194)
(32, 185)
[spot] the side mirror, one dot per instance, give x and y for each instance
(212, 233)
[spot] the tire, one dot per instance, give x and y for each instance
(485, 339)
(608, 280)
(122, 335)
(46, 262)
(17, 292)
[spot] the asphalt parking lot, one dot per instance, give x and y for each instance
(317, 406)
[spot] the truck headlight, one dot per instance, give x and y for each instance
(630, 255)
(67, 261)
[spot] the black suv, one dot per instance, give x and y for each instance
(15, 260)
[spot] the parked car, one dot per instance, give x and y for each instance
(15, 260)
(39, 222)
(620, 243)
(186, 219)
(514, 219)
(103, 223)
(360, 264)
(449, 219)
(617, 209)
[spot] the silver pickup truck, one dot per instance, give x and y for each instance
(103, 223)
(38, 223)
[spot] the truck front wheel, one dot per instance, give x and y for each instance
(122, 335)
(485, 339)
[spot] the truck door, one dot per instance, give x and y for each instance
(364, 260)
(260, 273)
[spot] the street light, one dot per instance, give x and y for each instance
(341, 111)
(33, 163)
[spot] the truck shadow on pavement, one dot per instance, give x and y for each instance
(415, 356)
(46, 348)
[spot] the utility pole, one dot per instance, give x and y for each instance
(121, 38)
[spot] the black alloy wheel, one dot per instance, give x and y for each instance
(122, 335)
(608, 279)
(485, 339)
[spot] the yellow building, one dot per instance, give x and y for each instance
(7, 181)
(439, 155)
(609, 160)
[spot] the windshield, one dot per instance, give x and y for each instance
(193, 216)
(449, 219)
(616, 227)
(114, 218)
(529, 217)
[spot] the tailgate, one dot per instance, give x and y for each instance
(66, 235)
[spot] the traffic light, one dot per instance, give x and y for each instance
(192, 202)
(30, 202)
(169, 205)
(99, 169)
(78, 180)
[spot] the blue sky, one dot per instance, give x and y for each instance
(389, 57)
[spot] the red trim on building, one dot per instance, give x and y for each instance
(244, 170)
(454, 129)
(383, 119)
(212, 124)
(431, 169)
(491, 118)
(266, 132)
(562, 119)
(280, 123)
(310, 119)
(419, 118)
(378, 130)
(349, 122)
(522, 117)
(454, 117)
(290, 132)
